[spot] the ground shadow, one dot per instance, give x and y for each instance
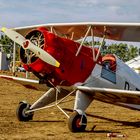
(100, 131)
(126, 123)
(34, 121)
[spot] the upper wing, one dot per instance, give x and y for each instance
(75, 31)
(134, 63)
(28, 83)
(130, 99)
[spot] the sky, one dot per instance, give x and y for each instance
(15, 13)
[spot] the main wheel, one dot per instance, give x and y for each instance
(20, 113)
(77, 122)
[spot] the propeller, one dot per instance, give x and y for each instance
(137, 68)
(28, 45)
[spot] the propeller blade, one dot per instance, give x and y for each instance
(40, 53)
(27, 44)
(137, 68)
(13, 35)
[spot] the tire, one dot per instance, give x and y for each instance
(20, 112)
(74, 122)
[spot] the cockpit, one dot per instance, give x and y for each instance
(109, 62)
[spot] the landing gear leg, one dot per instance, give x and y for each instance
(78, 121)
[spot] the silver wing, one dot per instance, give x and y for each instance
(125, 98)
(75, 31)
(28, 83)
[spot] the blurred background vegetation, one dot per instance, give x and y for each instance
(124, 51)
(6, 45)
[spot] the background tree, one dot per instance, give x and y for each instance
(7, 46)
(122, 50)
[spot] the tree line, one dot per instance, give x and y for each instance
(124, 51)
(6, 45)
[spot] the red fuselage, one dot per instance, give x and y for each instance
(72, 68)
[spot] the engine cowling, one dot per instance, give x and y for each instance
(31, 62)
(72, 68)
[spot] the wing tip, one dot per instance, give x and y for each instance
(3, 29)
(57, 64)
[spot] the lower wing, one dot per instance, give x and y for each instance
(129, 99)
(28, 83)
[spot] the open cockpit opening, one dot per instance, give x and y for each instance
(109, 62)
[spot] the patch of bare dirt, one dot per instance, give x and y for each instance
(52, 124)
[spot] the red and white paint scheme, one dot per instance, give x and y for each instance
(52, 53)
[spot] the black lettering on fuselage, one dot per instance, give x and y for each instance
(126, 87)
(137, 89)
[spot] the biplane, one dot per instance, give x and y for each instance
(53, 53)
